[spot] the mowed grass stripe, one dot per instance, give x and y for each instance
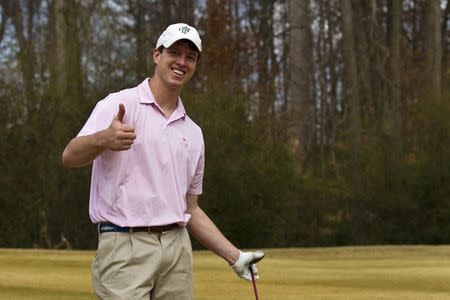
(400, 272)
(42, 274)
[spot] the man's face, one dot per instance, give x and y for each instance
(176, 64)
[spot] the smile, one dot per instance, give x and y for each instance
(178, 72)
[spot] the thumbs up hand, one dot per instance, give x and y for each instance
(121, 113)
(119, 136)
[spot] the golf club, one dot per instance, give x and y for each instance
(250, 267)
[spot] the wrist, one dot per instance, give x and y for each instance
(234, 257)
(100, 140)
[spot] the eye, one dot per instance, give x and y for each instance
(173, 52)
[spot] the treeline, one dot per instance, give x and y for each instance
(325, 122)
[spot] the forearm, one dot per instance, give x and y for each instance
(82, 150)
(204, 230)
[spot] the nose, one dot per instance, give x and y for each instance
(182, 60)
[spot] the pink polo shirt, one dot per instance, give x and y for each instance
(146, 185)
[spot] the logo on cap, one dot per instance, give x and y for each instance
(184, 29)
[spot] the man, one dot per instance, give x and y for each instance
(148, 162)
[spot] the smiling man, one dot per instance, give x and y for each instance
(147, 174)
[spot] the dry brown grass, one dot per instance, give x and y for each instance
(416, 272)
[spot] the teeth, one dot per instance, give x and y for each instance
(178, 72)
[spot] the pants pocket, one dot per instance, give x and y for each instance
(102, 270)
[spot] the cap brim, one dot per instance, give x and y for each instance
(169, 43)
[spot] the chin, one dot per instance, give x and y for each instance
(176, 83)
(180, 82)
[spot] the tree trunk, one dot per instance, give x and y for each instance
(433, 50)
(445, 45)
(5, 6)
(264, 47)
(26, 49)
(139, 30)
(56, 55)
(351, 81)
(73, 52)
(186, 8)
(392, 114)
(62, 99)
(354, 211)
(300, 103)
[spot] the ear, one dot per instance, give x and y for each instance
(156, 55)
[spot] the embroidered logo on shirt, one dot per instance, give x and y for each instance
(185, 142)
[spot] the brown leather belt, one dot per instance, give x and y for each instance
(109, 227)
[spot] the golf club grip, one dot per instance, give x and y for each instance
(253, 282)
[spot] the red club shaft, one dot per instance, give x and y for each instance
(254, 283)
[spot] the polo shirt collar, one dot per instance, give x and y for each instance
(144, 93)
(146, 97)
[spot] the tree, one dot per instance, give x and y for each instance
(351, 84)
(433, 50)
(301, 106)
(25, 38)
(393, 114)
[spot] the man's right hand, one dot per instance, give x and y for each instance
(119, 136)
(82, 150)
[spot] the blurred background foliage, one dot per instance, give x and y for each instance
(325, 122)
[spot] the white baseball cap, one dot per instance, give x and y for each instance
(179, 31)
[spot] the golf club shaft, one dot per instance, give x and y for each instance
(254, 282)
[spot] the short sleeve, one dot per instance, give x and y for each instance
(196, 186)
(101, 117)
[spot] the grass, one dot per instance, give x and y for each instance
(404, 272)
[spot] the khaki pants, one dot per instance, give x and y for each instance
(143, 265)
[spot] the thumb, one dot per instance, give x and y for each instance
(257, 256)
(121, 113)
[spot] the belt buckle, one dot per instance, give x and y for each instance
(149, 229)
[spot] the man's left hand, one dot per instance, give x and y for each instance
(241, 267)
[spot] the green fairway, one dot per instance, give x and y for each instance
(416, 272)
